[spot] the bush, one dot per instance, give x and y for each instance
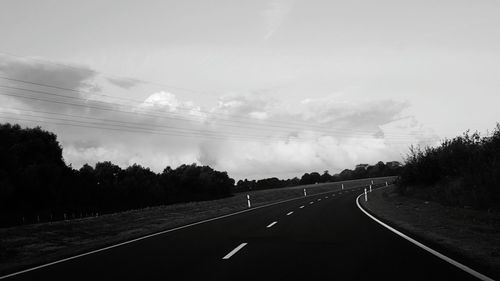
(463, 171)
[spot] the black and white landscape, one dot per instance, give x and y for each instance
(249, 140)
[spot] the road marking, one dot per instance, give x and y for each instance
(311, 202)
(326, 197)
(302, 206)
(271, 224)
(319, 199)
(234, 251)
(333, 194)
(428, 249)
(289, 213)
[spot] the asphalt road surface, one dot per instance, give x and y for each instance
(322, 237)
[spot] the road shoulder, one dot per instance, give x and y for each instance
(469, 236)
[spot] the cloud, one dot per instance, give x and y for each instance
(125, 83)
(275, 14)
(169, 102)
(365, 114)
(75, 78)
(63, 83)
(248, 135)
(313, 135)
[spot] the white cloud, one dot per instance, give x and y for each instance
(247, 135)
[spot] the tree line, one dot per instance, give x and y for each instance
(36, 184)
(361, 171)
(463, 171)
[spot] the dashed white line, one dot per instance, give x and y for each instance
(319, 199)
(302, 207)
(289, 213)
(271, 224)
(234, 251)
(326, 197)
(311, 202)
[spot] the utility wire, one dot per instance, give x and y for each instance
(180, 107)
(229, 123)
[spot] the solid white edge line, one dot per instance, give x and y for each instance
(154, 234)
(234, 251)
(428, 249)
(289, 213)
(271, 224)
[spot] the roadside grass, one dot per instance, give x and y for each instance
(470, 234)
(30, 245)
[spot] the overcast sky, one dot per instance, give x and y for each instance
(256, 88)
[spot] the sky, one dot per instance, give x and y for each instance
(255, 88)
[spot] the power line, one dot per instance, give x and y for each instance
(293, 123)
(229, 123)
(140, 126)
(37, 121)
(103, 74)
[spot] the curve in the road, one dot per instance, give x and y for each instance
(428, 249)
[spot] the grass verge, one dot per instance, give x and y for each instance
(29, 245)
(470, 236)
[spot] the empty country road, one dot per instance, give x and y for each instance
(320, 237)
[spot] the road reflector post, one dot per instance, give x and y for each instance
(370, 188)
(372, 181)
(305, 192)
(366, 196)
(342, 186)
(386, 184)
(248, 201)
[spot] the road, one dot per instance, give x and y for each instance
(322, 237)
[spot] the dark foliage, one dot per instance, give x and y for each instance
(464, 171)
(362, 171)
(36, 184)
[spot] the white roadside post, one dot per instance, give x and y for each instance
(366, 196)
(386, 184)
(305, 192)
(372, 181)
(370, 188)
(342, 186)
(248, 201)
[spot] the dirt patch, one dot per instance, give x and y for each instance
(471, 236)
